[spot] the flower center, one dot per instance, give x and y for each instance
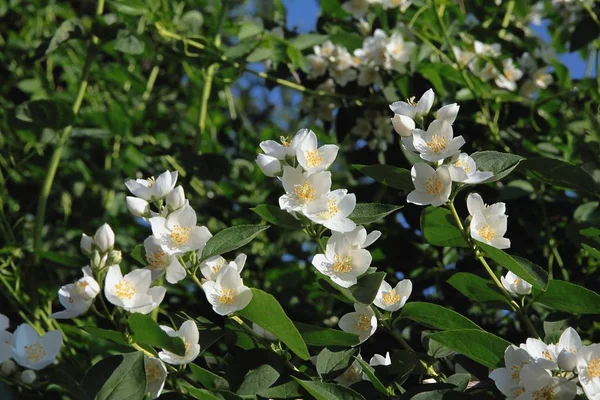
(510, 74)
(35, 352)
(180, 235)
(218, 265)
(332, 210)
(285, 141)
(437, 143)
(411, 101)
(433, 186)
(156, 260)
(305, 192)
(463, 164)
(487, 232)
(516, 371)
(545, 393)
(152, 372)
(363, 322)
(151, 181)
(547, 355)
(516, 281)
(228, 296)
(518, 391)
(313, 158)
(351, 375)
(594, 367)
(391, 297)
(342, 264)
(125, 290)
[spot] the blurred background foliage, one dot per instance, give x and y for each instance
(194, 86)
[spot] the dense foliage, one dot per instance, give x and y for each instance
(95, 95)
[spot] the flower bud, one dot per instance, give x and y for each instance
(86, 244)
(138, 207)
(28, 377)
(403, 125)
(270, 166)
(114, 257)
(104, 238)
(8, 367)
(175, 198)
(96, 260)
(448, 113)
(567, 361)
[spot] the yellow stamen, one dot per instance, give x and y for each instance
(516, 370)
(391, 297)
(285, 141)
(437, 143)
(411, 101)
(545, 393)
(463, 164)
(125, 290)
(351, 375)
(593, 367)
(152, 372)
(180, 235)
(156, 260)
(332, 209)
(305, 192)
(228, 296)
(547, 355)
(35, 352)
(363, 322)
(342, 264)
(487, 232)
(151, 181)
(313, 158)
(218, 265)
(433, 186)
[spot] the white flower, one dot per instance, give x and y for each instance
(448, 113)
(507, 379)
(86, 244)
(403, 125)
(304, 191)
(464, 57)
(8, 367)
(138, 207)
(263, 333)
(77, 297)
(30, 350)
(6, 339)
(588, 370)
(358, 8)
(340, 204)
(153, 189)
(188, 332)
(211, 267)
(156, 374)
(341, 262)
(540, 384)
(393, 299)
(368, 76)
(542, 79)
(161, 262)
(398, 50)
(287, 147)
(567, 348)
(490, 50)
(358, 237)
(515, 285)
(104, 238)
(178, 232)
(475, 204)
(510, 75)
(315, 159)
(353, 374)
(318, 65)
(438, 142)
(28, 376)
(362, 322)
(412, 109)
(342, 75)
(269, 165)
(403, 4)
(543, 354)
(132, 292)
(490, 230)
(176, 199)
(463, 169)
(378, 359)
(431, 186)
(227, 293)
(373, 51)
(488, 72)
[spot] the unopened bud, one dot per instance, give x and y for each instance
(448, 113)
(175, 198)
(138, 207)
(114, 257)
(96, 260)
(28, 376)
(8, 367)
(403, 125)
(86, 244)
(270, 166)
(104, 238)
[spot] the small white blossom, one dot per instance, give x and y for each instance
(543, 354)
(489, 50)
(30, 350)
(448, 113)
(176, 199)
(138, 207)
(510, 75)
(77, 297)
(269, 165)
(188, 332)
(588, 370)
(507, 379)
(475, 204)
(211, 267)
(132, 292)
(178, 233)
(352, 375)
(153, 189)
(488, 227)
(86, 244)
(6, 339)
(156, 375)
(341, 262)
(340, 205)
(358, 8)
(403, 125)
(515, 285)
(540, 384)
(161, 262)
(431, 186)
(361, 322)
(315, 159)
(287, 147)
(399, 51)
(373, 51)
(358, 238)
(463, 169)
(567, 349)
(303, 191)
(412, 109)
(438, 142)
(227, 294)
(378, 360)
(393, 299)
(104, 238)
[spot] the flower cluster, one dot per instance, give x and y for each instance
(536, 370)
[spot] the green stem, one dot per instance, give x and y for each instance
(63, 138)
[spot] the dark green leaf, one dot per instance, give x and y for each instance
(276, 216)
(439, 228)
(559, 173)
(370, 212)
(370, 372)
(328, 391)
(258, 379)
(306, 41)
(146, 331)
(432, 315)
(288, 390)
(478, 345)
(69, 29)
(321, 336)
(126, 42)
(117, 377)
(569, 297)
(114, 336)
(334, 362)
(592, 251)
(230, 239)
(208, 379)
(475, 287)
(51, 114)
(398, 178)
(500, 164)
(139, 254)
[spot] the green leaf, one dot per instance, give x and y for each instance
(68, 260)
(51, 114)
(288, 390)
(328, 391)
(370, 372)
(593, 252)
(230, 239)
(398, 178)
(114, 336)
(334, 362)
(524, 269)
(191, 23)
(370, 212)
(569, 297)
(307, 41)
(439, 228)
(69, 29)
(461, 381)
(265, 310)
(139, 254)
(333, 8)
(146, 331)
(258, 379)
(321, 336)
(117, 377)
(365, 289)
(126, 42)
(559, 173)
(249, 29)
(208, 379)
(276, 216)
(554, 325)
(478, 345)
(475, 287)
(438, 317)
(500, 164)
